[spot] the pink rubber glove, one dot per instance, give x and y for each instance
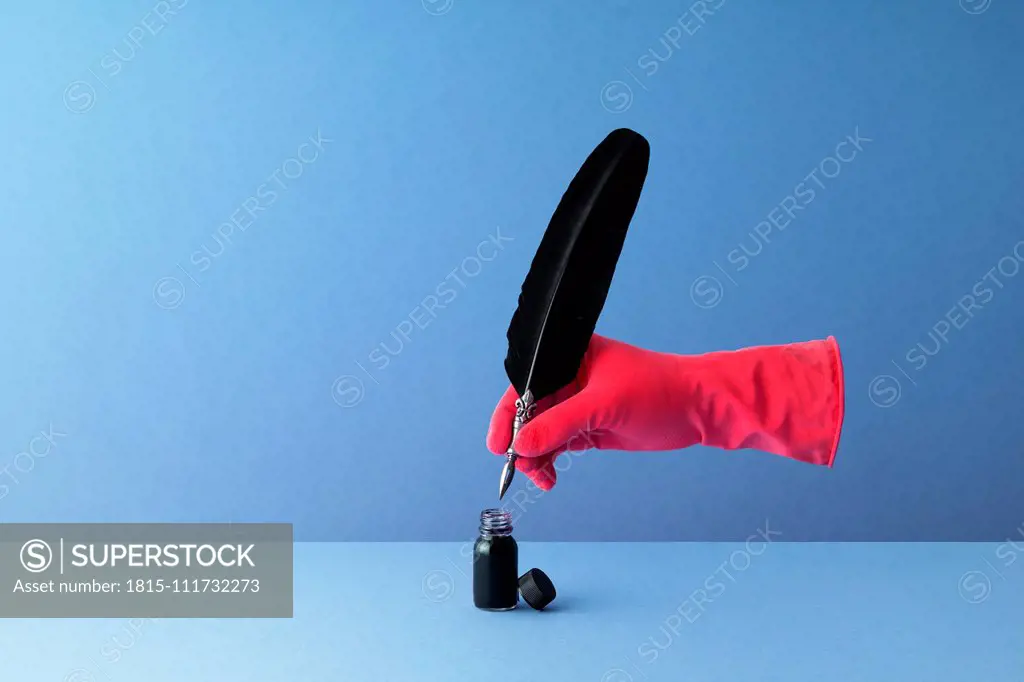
(786, 400)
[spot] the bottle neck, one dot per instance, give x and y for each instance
(495, 522)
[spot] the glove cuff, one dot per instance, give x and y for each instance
(787, 400)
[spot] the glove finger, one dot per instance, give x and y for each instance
(540, 470)
(559, 427)
(499, 433)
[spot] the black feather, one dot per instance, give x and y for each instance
(568, 281)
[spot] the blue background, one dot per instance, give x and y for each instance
(257, 396)
(625, 612)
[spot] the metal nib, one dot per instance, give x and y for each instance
(507, 472)
(524, 412)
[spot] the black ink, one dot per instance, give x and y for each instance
(495, 563)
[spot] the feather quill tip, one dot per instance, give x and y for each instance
(507, 472)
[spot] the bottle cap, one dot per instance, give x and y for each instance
(536, 588)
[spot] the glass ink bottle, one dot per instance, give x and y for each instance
(495, 563)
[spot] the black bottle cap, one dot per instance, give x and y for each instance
(536, 588)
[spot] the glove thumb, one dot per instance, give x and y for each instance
(566, 425)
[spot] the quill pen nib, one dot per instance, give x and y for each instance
(524, 412)
(507, 472)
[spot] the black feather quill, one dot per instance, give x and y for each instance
(567, 285)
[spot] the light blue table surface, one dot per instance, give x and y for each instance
(704, 612)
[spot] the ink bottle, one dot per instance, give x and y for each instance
(495, 563)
